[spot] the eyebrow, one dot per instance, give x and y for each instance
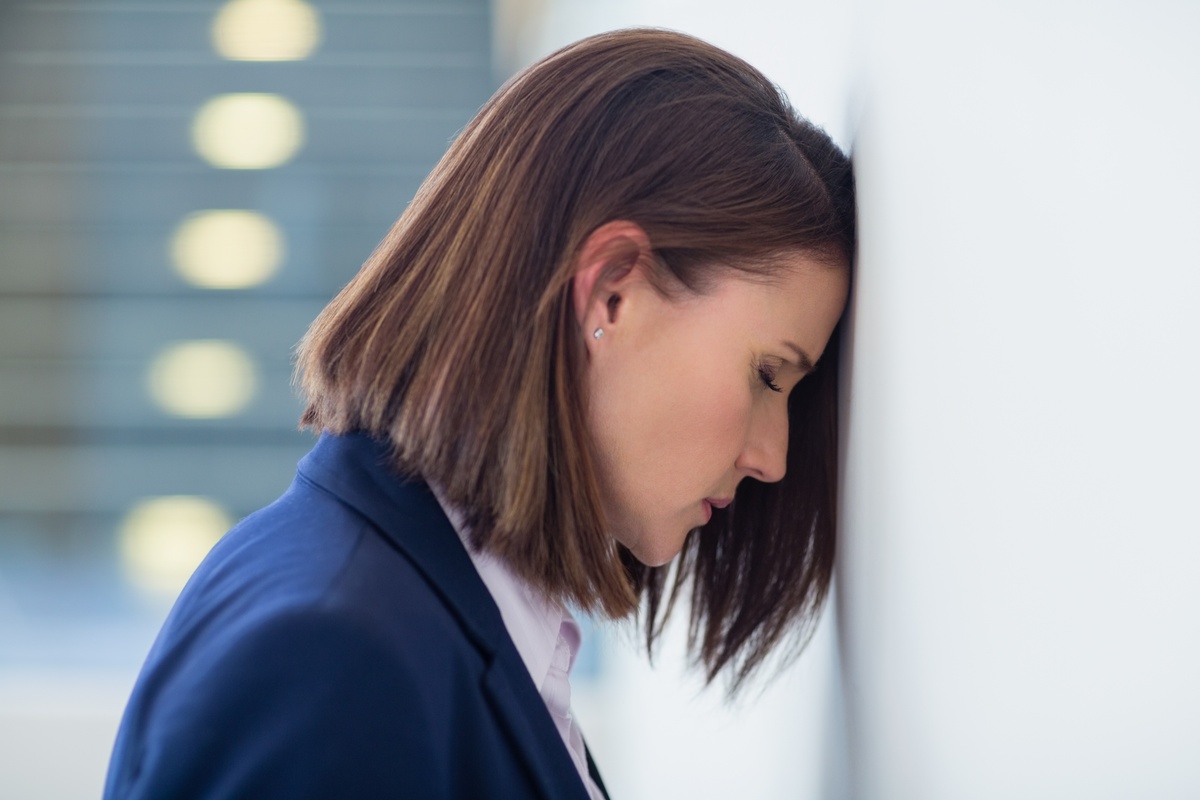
(806, 363)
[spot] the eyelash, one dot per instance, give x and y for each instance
(767, 376)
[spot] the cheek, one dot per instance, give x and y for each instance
(670, 424)
(700, 433)
(723, 421)
(667, 438)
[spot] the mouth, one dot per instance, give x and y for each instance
(710, 503)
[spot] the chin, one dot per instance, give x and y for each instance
(654, 553)
(655, 560)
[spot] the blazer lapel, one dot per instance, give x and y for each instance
(356, 469)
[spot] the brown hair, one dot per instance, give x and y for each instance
(458, 342)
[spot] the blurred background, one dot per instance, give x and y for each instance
(182, 188)
(183, 185)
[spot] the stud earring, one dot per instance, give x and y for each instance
(598, 333)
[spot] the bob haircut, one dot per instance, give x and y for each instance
(458, 342)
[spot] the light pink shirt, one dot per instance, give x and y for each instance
(546, 636)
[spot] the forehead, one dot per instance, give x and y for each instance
(787, 282)
(800, 300)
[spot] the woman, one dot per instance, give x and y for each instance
(576, 359)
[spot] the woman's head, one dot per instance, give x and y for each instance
(687, 394)
(638, 178)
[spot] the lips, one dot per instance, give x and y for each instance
(709, 504)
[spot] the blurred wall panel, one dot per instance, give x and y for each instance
(140, 361)
(1019, 577)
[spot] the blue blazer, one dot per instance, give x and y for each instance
(339, 643)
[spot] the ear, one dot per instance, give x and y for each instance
(609, 259)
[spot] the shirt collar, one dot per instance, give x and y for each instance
(534, 622)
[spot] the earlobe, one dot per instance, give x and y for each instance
(607, 260)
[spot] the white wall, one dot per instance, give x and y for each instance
(1020, 575)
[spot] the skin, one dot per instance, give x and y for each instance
(679, 401)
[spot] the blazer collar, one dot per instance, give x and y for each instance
(355, 469)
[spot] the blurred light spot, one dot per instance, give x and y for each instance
(248, 131)
(266, 30)
(163, 539)
(202, 379)
(227, 249)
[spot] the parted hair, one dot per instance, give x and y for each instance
(457, 342)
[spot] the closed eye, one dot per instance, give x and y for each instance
(767, 375)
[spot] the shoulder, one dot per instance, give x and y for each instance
(306, 554)
(304, 570)
(305, 649)
(303, 702)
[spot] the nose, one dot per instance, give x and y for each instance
(764, 457)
